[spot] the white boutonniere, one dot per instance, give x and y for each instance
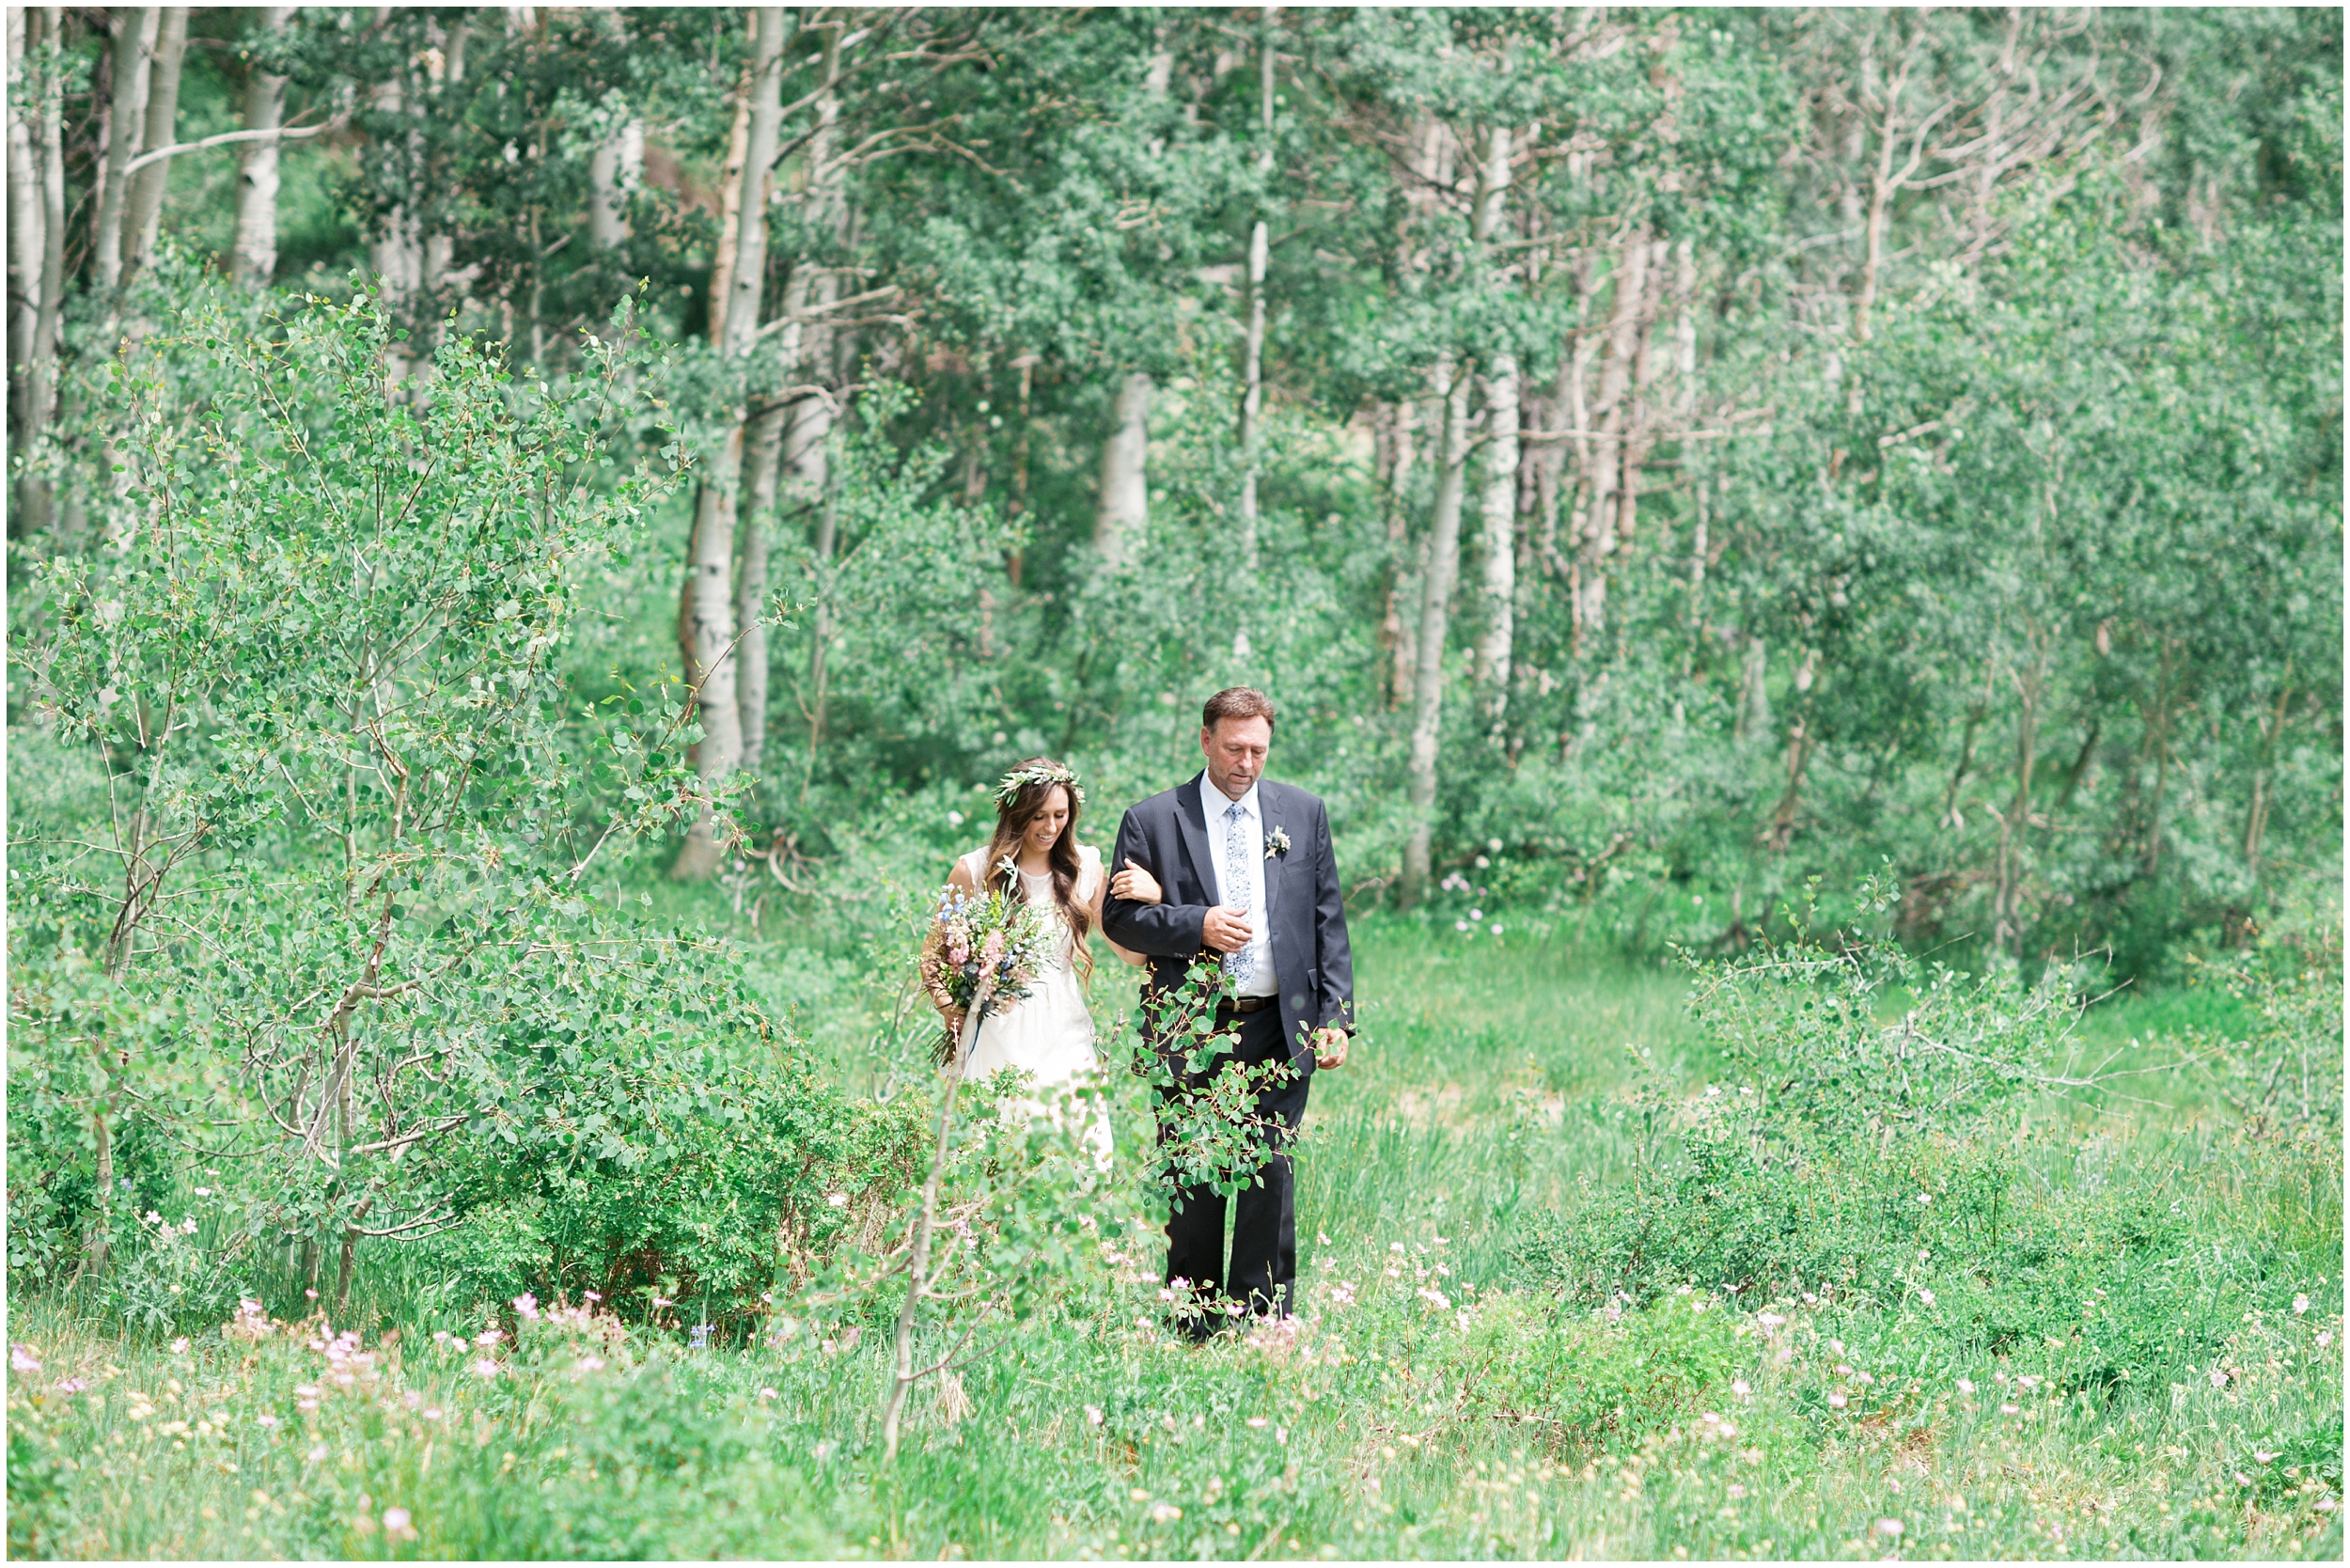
(1277, 842)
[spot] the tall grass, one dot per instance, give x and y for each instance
(1430, 1401)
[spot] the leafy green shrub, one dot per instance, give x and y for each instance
(498, 1252)
(1865, 1151)
(1609, 1380)
(169, 1279)
(692, 1156)
(345, 948)
(2280, 1067)
(34, 1492)
(71, 1027)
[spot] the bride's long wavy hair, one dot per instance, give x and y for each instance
(1012, 816)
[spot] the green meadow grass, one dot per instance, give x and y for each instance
(1428, 1404)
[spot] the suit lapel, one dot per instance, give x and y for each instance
(1269, 803)
(1191, 815)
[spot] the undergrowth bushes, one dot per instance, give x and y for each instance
(1869, 1142)
(1602, 1382)
(684, 1178)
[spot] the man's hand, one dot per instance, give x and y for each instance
(1330, 1048)
(1225, 930)
(1136, 886)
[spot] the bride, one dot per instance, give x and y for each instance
(1047, 1034)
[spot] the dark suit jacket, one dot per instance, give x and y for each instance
(1167, 836)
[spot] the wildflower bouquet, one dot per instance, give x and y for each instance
(982, 952)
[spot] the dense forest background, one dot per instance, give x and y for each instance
(1654, 457)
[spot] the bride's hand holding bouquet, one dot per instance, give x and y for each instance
(981, 954)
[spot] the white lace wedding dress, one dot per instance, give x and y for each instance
(1047, 1034)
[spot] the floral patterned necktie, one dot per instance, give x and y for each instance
(1238, 966)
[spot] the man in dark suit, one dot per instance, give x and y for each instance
(1247, 872)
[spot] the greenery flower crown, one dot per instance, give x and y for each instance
(1039, 773)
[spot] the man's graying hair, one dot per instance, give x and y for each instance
(1236, 702)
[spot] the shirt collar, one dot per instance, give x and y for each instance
(1213, 801)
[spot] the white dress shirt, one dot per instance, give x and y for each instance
(1214, 804)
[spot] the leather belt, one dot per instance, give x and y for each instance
(1246, 1004)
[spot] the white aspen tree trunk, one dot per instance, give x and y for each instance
(1435, 603)
(135, 30)
(1497, 504)
(1422, 155)
(730, 208)
(440, 248)
(254, 261)
(1122, 510)
(1699, 545)
(1252, 368)
(1018, 505)
(1122, 496)
(710, 598)
(1684, 330)
(1498, 509)
(812, 349)
(827, 542)
(25, 218)
(1754, 696)
(801, 455)
(1395, 633)
(613, 171)
(1575, 376)
(1640, 425)
(41, 377)
(762, 455)
(1880, 194)
(396, 249)
(2256, 820)
(1252, 395)
(1607, 448)
(2007, 915)
(706, 636)
(1562, 489)
(143, 218)
(750, 236)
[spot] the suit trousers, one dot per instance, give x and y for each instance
(1264, 1272)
